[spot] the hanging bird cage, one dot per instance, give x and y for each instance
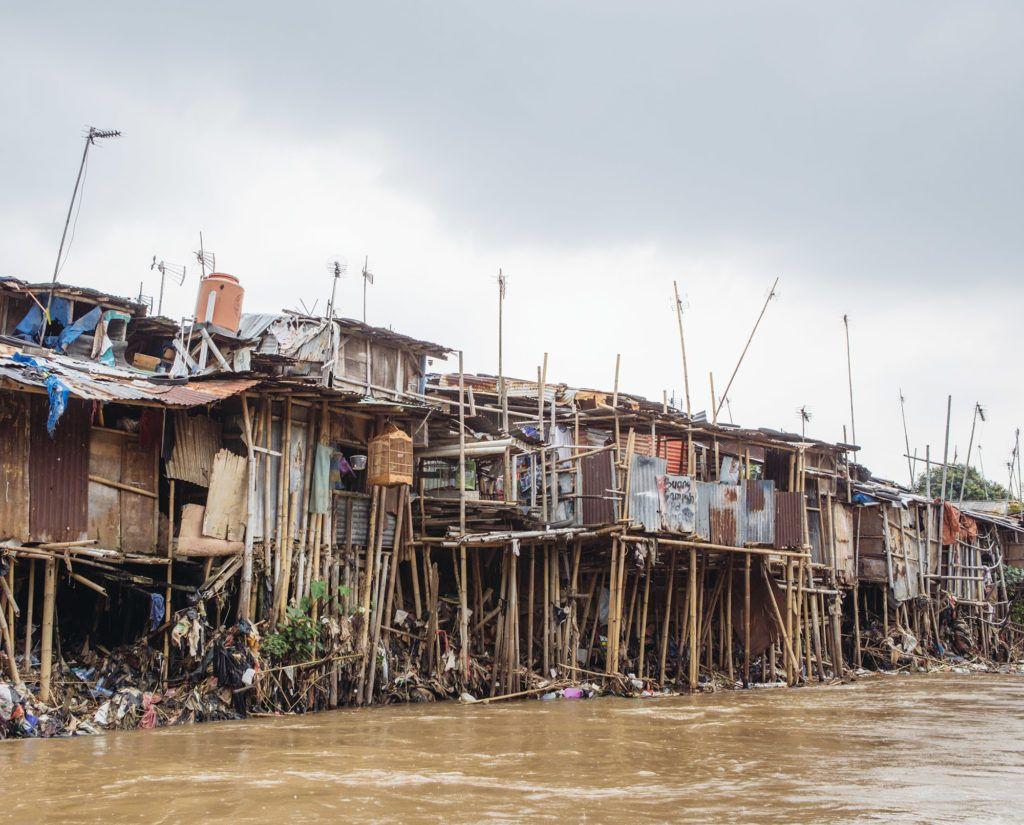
(390, 458)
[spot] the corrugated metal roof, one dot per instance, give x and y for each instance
(97, 382)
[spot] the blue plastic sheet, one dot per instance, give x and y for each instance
(58, 393)
(87, 323)
(31, 325)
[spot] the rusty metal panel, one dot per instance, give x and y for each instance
(678, 500)
(674, 451)
(726, 513)
(58, 472)
(721, 513)
(789, 531)
(14, 452)
(842, 529)
(598, 482)
(703, 518)
(360, 509)
(644, 501)
(760, 511)
(904, 552)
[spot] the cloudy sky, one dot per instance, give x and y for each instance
(867, 155)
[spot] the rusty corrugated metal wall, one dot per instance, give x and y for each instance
(644, 501)
(789, 531)
(598, 507)
(721, 513)
(59, 472)
(360, 521)
(760, 511)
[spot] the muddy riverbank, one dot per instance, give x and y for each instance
(936, 748)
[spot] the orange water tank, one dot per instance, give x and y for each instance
(220, 301)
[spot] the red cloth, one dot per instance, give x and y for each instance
(956, 526)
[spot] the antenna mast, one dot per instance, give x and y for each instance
(906, 437)
(91, 137)
(367, 279)
(771, 294)
(849, 378)
(682, 344)
(502, 395)
(177, 274)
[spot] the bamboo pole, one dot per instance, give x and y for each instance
(746, 621)
(46, 639)
(728, 623)
(366, 592)
(694, 656)
(613, 589)
(648, 572)
(29, 604)
(790, 655)
(666, 626)
(529, 607)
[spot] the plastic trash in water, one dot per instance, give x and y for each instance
(572, 693)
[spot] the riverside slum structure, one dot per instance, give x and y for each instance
(169, 504)
(931, 577)
(280, 512)
(660, 550)
(668, 551)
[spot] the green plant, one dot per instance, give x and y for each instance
(293, 641)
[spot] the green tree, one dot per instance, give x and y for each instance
(977, 488)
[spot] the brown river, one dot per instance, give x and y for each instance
(936, 748)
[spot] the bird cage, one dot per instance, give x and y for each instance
(390, 458)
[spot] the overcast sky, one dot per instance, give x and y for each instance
(868, 155)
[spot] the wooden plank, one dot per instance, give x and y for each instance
(226, 503)
(14, 465)
(138, 522)
(104, 518)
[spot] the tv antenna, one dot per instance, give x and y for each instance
(174, 272)
(91, 136)
(805, 415)
(207, 260)
(367, 279)
(337, 265)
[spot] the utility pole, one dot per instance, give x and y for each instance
(91, 137)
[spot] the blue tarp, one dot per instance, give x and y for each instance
(56, 389)
(29, 327)
(58, 393)
(87, 323)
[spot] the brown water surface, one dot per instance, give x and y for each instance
(939, 748)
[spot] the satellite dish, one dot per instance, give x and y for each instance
(337, 265)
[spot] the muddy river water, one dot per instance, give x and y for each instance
(937, 748)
